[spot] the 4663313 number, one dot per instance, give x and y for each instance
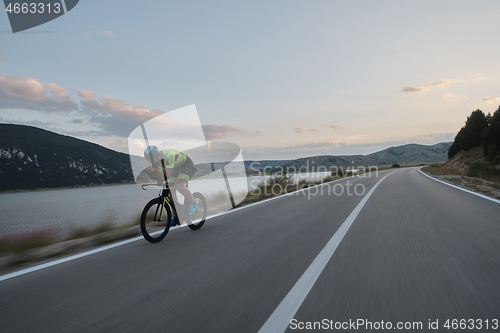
(33, 8)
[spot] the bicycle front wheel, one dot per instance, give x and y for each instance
(155, 220)
(197, 220)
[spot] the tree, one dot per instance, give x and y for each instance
(471, 133)
(490, 138)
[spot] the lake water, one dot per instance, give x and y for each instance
(62, 211)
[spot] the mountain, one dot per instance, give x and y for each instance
(251, 167)
(414, 154)
(33, 158)
(406, 154)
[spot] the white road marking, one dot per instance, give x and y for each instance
(60, 261)
(107, 247)
(279, 320)
(463, 189)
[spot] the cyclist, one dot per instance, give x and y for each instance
(179, 168)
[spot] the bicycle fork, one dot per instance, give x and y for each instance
(160, 207)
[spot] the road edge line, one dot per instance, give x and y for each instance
(288, 307)
(460, 188)
(107, 247)
(62, 260)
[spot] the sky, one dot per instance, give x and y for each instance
(282, 79)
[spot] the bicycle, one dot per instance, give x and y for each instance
(156, 215)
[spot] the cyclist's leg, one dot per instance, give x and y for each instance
(180, 185)
(173, 194)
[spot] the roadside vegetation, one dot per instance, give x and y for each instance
(283, 183)
(474, 156)
(18, 249)
(482, 131)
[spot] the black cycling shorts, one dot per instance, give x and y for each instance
(184, 171)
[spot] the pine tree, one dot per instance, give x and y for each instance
(470, 135)
(474, 126)
(490, 138)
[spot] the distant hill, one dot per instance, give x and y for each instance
(414, 154)
(406, 154)
(252, 167)
(33, 158)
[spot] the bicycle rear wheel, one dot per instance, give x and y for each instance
(155, 220)
(197, 220)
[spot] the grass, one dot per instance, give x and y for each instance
(87, 232)
(22, 242)
(444, 171)
(279, 185)
(28, 247)
(478, 170)
(484, 170)
(481, 177)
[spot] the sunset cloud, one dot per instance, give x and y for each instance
(219, 131)
(115, 116)
(491, 100)
(86, 94)
(335, 125)
(425, 87)
(4, 59)
(33, 94)
(109, 33)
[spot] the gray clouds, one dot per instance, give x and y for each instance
(111, 116)
(219, 131)
(425, 87)
(33, 94)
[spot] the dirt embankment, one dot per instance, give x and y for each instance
(456, 171)
(462, 161)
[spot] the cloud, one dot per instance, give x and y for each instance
(297, 128)
(491, 100)
(33, 94)
(111, 116)
(88, 34)
(333, 125)
(110, 34)
(430, 138)
(451, 97)
(311, 130)
(320, 145)
(219, 131)
(86, 94)
(4, 59)
(116, 116)
(36, 123)
(425, 87)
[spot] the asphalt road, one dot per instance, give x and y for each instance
(417, 251)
